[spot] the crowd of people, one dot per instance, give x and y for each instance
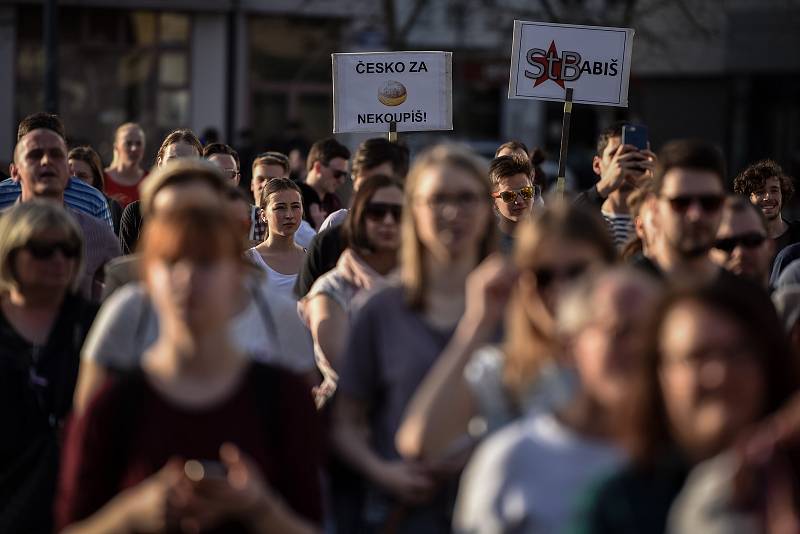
(452, 349)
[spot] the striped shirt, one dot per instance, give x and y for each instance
(78, 195)
(620, 227)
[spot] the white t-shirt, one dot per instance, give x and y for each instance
(334, 219)
(276, 282)
(304, 234)
(268, 330)
(527, 477)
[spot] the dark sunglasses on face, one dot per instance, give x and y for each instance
(44, 250)
(338, 174)
(751, 240)
(708, 203)
(545, 276)
(377, 211)
(510, 195)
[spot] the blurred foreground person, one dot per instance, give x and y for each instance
(715, 364)
(43, 323)
(528, 476)
(399, 333)
(474, 387)
(125, 174)
(248, 431)
(742, 246)
(372, 234)
(265, 327)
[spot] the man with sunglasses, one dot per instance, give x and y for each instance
(327, 166)
(688, 186)
(40, 166)
(742, 246)
(513, 194)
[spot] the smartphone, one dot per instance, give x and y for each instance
(635, 135)
(197, 470)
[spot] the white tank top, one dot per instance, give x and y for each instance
(276, 282)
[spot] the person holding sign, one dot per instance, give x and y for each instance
(622, 168)
(513, 194)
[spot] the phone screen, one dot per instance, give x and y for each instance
(635, 135)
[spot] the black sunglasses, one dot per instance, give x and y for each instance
(44, 250)
(751, 240)
(545, 276)
(708, 203)
(377, 211)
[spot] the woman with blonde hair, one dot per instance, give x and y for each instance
(123, 176)
(470, 391)
(43, 322)
(447, 229)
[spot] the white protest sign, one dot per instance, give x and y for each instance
(413, 89)
(593, 60)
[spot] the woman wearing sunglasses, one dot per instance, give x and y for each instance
(475, 388)
(372, 234)
(513, 193)
(43, 323)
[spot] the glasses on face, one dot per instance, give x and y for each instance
(463, 200)
(510, 196)
(546, 276)
(682, 203)
(44, 250)
(376, 211)
(750, 240)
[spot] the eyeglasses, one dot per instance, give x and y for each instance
(708, 203)
(376, 211)
(44, 250)
(750, 240)
(463, 200)
(545, 276)
(510, 195)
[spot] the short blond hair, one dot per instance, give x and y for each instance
(21, 223)
(177, 172)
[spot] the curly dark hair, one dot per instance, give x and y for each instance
(754, 177)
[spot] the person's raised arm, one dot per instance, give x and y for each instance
(442, 406)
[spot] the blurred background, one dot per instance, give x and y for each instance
(257, 73)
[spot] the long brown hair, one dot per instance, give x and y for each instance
(184, 135)
(355, 227)
(529, 339)
(88, 155)
(647, 426)
(412, 251)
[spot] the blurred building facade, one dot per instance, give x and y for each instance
(258, 71)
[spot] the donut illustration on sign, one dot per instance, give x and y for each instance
(392, 93)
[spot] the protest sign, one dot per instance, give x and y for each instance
(594, 61)
(375, 89)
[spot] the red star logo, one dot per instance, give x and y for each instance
(551, 57)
